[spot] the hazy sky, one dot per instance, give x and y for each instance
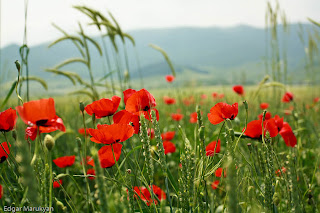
(139, 14)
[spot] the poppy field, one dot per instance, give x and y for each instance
(229, 148)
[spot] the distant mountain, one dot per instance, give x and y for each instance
(210, 55)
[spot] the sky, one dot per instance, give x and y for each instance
(139, 14)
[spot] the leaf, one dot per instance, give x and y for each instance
(71, 60)
(166, 57)
(9, 94)
(94, 43)
(64, 73)
(314, 22)
(130, 38)
(68, 37)
(82, 92)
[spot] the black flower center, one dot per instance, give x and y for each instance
(41, 122)
(3, 158)
(232, 117)
(146, 108)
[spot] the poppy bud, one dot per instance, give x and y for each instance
(14, 134)
(17, 65)
(245, 103)
(129, 171)
(81, 106)
(60, 205)
(78, 140)
(276, 199)
(49, 142)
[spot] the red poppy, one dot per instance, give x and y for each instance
(215, 184)
(215, 95)
(218, 172)
(107, 154)
(222, 111)
(170, 78)
(287, 97)
(56, 184)
(254, 128)
(283, 170)
(316, 100)
(144, 194)
(213, 148)
(140, 101)
(8, 119)
(203, 96)
(176, 116)
(103, 107)
(127, 93)
(151, 133)
(289, 110)
(169, 147)
(109, 134)
(65, 161)
(40, 113)
(221, 96)
(82, 132)
(168, 136)
(193, 117)
(169, 101)
(125, 117)
(267, 117)
(91, 172)
(188, 101)
(238, 89)
(264, 106)
(87, 160)
(288, 135)
(1, 191)
(4, 151)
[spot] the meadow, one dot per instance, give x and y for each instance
(109, 146)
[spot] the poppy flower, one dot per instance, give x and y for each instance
(82, 132)
(215, 184)
(103, 107)
(109, 134)
(144, 194)
(215, 95)
(288, 135)
(222, 111)
(138, 101)
(213, 148)
(4, 151)
(188, 101)
(238, 89)
(56, 184)
(87, 160)
(289, 110)
(254, 128)
(264, 106)
(40, 113)
(218, 172)
(65, 161)
(176, 116)
(221, 96)
(107, 154)
(316, 100)
(127, 93)
(267, 117)
(8, 119)
(91, 172)
(193, 117)
(151, 133)
(125, 117)
(287, 97)
(1, 191)
(279, 122)
(169, 101)
(283, 170)
(203, 96)
(169, 147)
(170, 78)
(168, 136)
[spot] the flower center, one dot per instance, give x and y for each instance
(3, 158)
(41, 122)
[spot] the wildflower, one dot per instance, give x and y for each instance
(254, 128)
(56, 184)
(40, 114)
(222, 111)
(103, 107)
(215, 184)
(144, 194)
(108, 155)
(125, 117)
(218, 172)
(287, 97)
(91, 172)
(221, 96)
(138, 101)
(264, 106)
(283, 170)
(82, 132)
(8, 119)
(169, 101)
(169, 147)
(168, 136)
(288, 135)
(289, 110)
(215, 95)
(267, 116)
(213, 148)
(193, 117)
(238, 89)
(316, 100)
(176, 116)
(188, 101)
(203, 96)
(170, 78)
(65, 161)
(4, 151)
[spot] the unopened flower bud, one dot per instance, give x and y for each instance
(49, 142)
(81, 106)
(17, 65)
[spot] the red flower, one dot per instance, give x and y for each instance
(287, 97)
(167, 100)
(91, 172)
(1, 191)
(139, 101)
(283, 170)
(127, 93)
(168, 136)
(254, 128)
(221, 96)
(221, 111)
(316, 100)
(40, 113)
(109, 134)
(267, 117)
(107, 154)
(188, 101)
(170, 78)
(144, 194)
(169, 147)
(279, 122)
(213, 148)
(125, 117)
(215, 95)
(65, 161)
(288, 135)
(4, 150)
(176, 116)
(264, 106)
(82, 132)
(103, 107)
(8, 119)
(56, 184)
(87, 160)
(151, 133)
(238, 89)
(203, 96)
(193, 117)
(218, 172)
(215, 184)
(289, 110)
